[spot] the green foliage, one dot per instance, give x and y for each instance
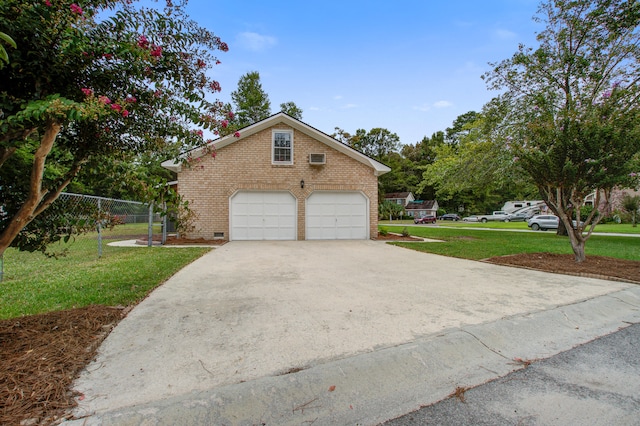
(109, 83)
(475, 172)
(461, 126)
(572, 120)
(631, 203)
(251, 101)
(377, 143)
(585, 212)
(290, 108)
(389, 210)
(4, 57)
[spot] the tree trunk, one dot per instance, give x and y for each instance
(26, 213)
(562, 230)
(578, 250)
(578, 242)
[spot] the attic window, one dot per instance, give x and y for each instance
(282, 147)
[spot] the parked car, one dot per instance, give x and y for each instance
(470, 219)
(425, 219)
(499, 216)
(547, 221)
(543, 222)
(450, 216)
(517, 217)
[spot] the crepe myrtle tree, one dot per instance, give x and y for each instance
(91, 80)
(572, 120)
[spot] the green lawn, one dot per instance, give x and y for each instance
(35, 284)
(477, 244)
(622, 228)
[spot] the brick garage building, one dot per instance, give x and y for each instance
(281, 180)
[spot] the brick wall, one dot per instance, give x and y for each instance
(246, 165)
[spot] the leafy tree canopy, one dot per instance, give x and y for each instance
(572, 121)
(89, 83)
(290, 108)
(475, 172)
(251, 101)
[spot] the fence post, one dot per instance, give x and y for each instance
(164, 223)
(99, 229)
(150, 230)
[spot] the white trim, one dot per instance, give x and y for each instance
(378, 168)
(273, 147)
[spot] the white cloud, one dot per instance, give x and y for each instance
(337, 97)
(314, 108)
(255, 42)
(349, 106)
(423, 108)
(443, 104)
(504, 34)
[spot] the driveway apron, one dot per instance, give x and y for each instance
(248, 310)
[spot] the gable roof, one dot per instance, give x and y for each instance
(397, 195)
(421, 205)
(281, 117)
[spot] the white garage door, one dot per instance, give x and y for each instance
(337, 216)
(263, 216)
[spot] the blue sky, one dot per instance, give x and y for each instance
(411, 66)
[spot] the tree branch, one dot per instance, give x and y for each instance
(26, 213)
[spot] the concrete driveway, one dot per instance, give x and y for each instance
(252, 310)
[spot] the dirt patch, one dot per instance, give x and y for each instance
(465, 238)
(42, 354)
(595, 266)
(396, 237)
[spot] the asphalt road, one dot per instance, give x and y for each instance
(597, 383)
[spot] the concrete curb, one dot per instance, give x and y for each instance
(373, 387)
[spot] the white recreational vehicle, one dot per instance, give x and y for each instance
(526, 206)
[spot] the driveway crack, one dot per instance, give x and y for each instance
(485, 345)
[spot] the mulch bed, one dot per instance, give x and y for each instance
(42, 355)
(594, 267)
(395, 237)
(174, 241)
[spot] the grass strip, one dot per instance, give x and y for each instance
(36, 284)
(477, 244)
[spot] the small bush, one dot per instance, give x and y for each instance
(405, 232)
(383, 232)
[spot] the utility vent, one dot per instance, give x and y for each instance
(317, 159)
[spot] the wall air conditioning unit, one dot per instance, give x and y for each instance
(317, 159)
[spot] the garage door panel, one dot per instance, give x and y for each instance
(263, 216)
(336, 215)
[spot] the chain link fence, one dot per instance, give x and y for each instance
(107, 219)
(87, 223)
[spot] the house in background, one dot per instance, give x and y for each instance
(617, 194)
(280, 180)
(420, 208)
(402, 198)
